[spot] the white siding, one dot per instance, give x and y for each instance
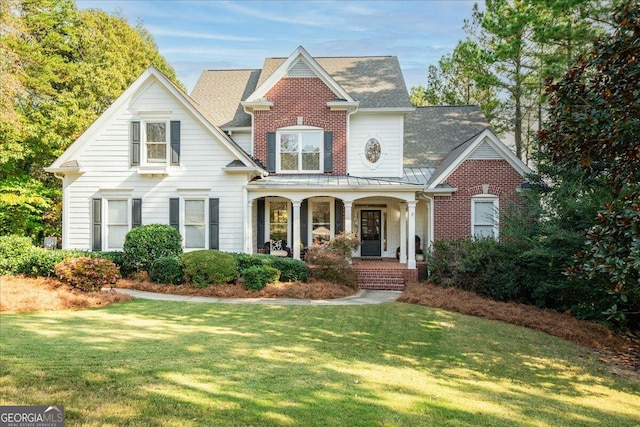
(388, 130)
(243, 139)
(105, 160)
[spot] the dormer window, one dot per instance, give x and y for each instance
(299, 150)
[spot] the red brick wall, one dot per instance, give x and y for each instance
(452, 214)
(307, 98)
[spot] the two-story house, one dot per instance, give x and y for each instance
(297, 151)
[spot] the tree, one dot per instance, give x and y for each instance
(592, 132)
(60, 69)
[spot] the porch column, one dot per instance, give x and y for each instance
(296, 229)
(411, 256)
(248, 229)
(347, 216)
(403, 233)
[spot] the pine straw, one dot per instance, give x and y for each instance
(313, 290)
(20, 294)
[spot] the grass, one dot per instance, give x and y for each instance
(152, 363)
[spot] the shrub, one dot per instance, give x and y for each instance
(87, 274)
(117, 257)
(291, 270)
(41, 262)
(167, 270)
(330, 266)
(206, 267)
(13, 250)
(257, 276)
(144, 244)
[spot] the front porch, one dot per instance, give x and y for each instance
(386, 273)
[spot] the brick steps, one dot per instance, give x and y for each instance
(387, 279)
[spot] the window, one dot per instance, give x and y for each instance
(117, 223)
(372, 150)
(278, 220)
(156, 142)
(194, 224)
(321, 219)
(299, 150)
(484, 217)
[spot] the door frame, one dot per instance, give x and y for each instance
(381, 231)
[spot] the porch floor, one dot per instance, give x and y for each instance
(384, 273)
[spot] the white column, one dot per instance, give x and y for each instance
(296, 229)
(403, 233)
(411, 256)
(348, 225)
(248, 229)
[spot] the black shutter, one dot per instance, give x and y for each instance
(136, 213)
(339, 216)
(96, 225)
(135, 143)
(271, 152)
(260, 222)
(174, 213)
(175, 143)
(304, 222)
(214, 223)
(328, 152)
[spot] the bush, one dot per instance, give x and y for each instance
(167, 270)
(13, 251)
(41, 262)
(291, 270)
(145, 244)
(257, 276)
(87, 274)
(330, 266)
(206, 267)
(117, 257)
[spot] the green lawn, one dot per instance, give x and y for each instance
(151, 363)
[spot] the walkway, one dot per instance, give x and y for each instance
(363, 297)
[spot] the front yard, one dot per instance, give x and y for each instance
(153, 363)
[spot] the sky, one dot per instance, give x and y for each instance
(195, 36)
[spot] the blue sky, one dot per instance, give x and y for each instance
(197, 35)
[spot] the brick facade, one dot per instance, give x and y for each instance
(304, 97)
(452, 214)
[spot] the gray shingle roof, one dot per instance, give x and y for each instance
(432, 133)
(375, 81)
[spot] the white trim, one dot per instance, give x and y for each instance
(332, 213)
(106, 200)
(496, 143)
(300, 130)
(299, 54)
(496, 213)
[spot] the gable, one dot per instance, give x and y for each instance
(161, 96)
(489, 145)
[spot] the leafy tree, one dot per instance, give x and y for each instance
(591, 137)
(60, 68)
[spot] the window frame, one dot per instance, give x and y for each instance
(184, 225)
(332, 216)
(485, 198)
(267, 217)
(106, 232)
(300, 131)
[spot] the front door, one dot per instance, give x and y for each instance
(370, 221)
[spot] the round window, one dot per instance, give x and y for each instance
(372, 150)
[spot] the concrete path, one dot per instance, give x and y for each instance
(361, 298)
